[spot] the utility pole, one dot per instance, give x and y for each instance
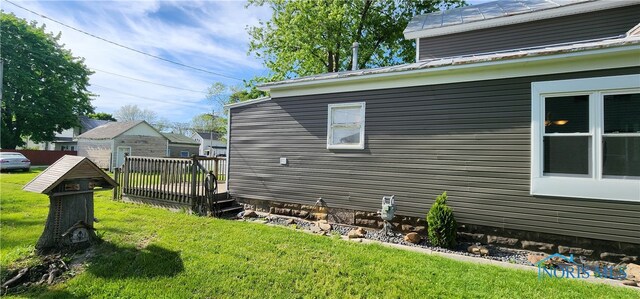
(211, 133)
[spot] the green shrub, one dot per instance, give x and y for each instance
(442, 225)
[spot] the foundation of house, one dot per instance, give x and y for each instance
(591, 249)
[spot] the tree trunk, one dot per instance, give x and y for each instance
(330, 62)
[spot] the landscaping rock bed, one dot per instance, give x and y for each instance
(469, 249)
(495, 252)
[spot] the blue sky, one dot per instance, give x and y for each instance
(206, 34)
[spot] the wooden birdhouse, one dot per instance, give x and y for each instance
(70, 183)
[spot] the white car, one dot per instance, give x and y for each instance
(10, 160)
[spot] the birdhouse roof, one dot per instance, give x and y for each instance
(66, 168)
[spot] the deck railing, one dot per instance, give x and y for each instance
(174, 180)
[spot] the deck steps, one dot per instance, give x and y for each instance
(225, 204)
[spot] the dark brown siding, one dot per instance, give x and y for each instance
(469, 139)
(539, 33)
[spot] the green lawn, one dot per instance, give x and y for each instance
(154, 253)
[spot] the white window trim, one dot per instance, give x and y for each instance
(360, 145)
(595, 186)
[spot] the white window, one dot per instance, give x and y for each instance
(585, 139)
(345, 126)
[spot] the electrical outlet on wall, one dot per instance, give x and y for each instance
(283, 161)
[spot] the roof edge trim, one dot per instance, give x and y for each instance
(614, 57)
(246, 103)
(574, 9)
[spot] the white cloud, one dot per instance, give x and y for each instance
(206, 34)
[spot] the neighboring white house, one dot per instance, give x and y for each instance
(66, 140)
(211, 144)
(106, 145)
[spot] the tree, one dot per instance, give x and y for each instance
(311, 37)
(162, 124)
(244, 94)
(44, 87)
(181, 128)
(206, 123)
(134, 113)
(101, 116)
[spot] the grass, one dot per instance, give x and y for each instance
(154, 253)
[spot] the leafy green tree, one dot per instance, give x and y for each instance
(44, 86)
(206, 122)
(102, 116)
(244, 94)
(311, 37)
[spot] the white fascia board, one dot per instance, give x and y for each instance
(606, 58)
(249, 102)
(521, 18)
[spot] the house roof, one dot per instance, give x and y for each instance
(499, 13)
(110, 130)
(68, 167)
(87, 123)
(207, 135)
(632, 39)
(179, 138)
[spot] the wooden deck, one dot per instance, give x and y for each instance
(171, 191)
(175, 183)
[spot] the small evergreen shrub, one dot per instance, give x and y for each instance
(442, 226)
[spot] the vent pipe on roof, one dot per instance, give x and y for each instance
(354, 63)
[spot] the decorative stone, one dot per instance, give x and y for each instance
(250, 214)
(324, 225)
(610, 256)
(290, 222)
(574, 250)
(315, 229)
(629, 259)
(357, 233)
(470, 237)
(302, 214)
(366, 222)
(420, 229)
(406, 228)
(531, 245)
(535, 258)
(281, 211)
(412, 238)
(633, 270)
(501, 240)
(361, 214)
(478, 249)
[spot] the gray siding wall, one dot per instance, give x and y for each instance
(98, 151)
(469, 139)
(539, 33)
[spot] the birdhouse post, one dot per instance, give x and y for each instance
(70, 183)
